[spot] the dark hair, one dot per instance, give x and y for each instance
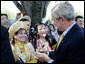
(25, 14)
(4, 15)
(36, 30)
(52, 26)
(38, 24)
(78, 17)
(24, 19)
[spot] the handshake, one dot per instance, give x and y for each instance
(42, 55)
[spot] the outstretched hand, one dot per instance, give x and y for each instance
(42, 56)
(43, 50)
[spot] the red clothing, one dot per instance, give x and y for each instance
(45, 45)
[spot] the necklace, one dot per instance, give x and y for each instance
(22, 49)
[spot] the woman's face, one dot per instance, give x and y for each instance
(41, 30)
(21, 36)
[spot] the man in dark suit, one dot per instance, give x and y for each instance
(71, 48)
(6, 51)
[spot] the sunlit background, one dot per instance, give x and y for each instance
(9, 5)
(78, 7)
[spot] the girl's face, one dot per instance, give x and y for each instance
(41, 30)
(21, 36)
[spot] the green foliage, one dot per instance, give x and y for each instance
(51, 20)
(79, 13)
(11, 15)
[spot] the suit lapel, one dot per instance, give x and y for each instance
(72, 30)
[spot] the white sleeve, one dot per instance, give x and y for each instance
(47, 53)
(22, 57)
(50, 61)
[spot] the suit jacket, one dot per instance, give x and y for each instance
(6, 52)
(71, 48)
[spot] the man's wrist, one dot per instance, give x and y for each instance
(50, 61)
(47, 60)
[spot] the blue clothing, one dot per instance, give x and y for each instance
(12, 21)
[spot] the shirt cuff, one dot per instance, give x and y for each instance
(50, 61)
(47, 53)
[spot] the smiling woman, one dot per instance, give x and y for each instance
(22, 49)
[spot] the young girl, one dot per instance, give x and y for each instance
(23, 50)
(41, 41)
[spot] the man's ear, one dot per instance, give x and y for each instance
(62, 18)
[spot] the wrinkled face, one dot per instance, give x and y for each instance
(21, 36)
(41, 30)
(4, 20)
(58, 23)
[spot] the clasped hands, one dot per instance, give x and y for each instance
(42, 56)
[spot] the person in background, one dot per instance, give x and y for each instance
(48, 22)
(50, 37)
(4, 20)
(22, 49)
(80, 21)
(54, 32)
(70, 48)
(6, 51)
(18, 15)
(26, 19)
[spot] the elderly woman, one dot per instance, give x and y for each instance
(22, 50)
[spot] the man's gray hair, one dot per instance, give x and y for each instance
(63, 9)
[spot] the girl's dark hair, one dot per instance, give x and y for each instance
(4, 15)
(47, 35)
(47, 38)
(36, 30)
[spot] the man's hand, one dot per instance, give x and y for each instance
(43, 50)
(42, 57)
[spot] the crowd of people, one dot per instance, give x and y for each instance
(61, 42)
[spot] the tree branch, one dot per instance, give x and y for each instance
(18, 5)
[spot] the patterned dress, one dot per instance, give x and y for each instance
(40, 45)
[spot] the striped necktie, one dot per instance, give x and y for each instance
(61, 37)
